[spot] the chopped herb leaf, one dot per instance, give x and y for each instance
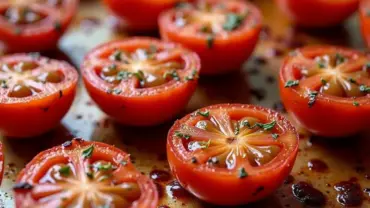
(194, 160)
(352, 80)
(204, 113)
(210, 41)
(365, 89)
(339, 59)
(58, 26)
(105, 167)
(173, 74)
(312, 98)
(104, 177)
(3, 84)
(65, 170)
(267, 126)
(123, 162)
(275, 136)
(182, 136)
(123, 75)
(291, 83)
(192, 76)
(233, 21)
(116, 56)
(323, 81)
(205, 29)
(321, 64)
(242, 173)
(88, 152)
(355, 103)
(140, 75)
(90, 175)
(153, 49)
(117, 91)
(204, 145)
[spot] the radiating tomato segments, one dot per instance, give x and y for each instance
(223, 33)
(83, 174)
(326, 89)
(35, 93)
(232, 154)
(318, 13)
(34, 25)
(141, 81)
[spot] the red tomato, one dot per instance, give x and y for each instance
(34, 25)
(365, 20)
(232, 154)
(141, 81)
(223, 33)
(83, 174)
(140, 14)
(326, 89)
(35, 93)
(318, 13)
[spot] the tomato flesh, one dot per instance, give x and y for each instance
(318, 85)
(34, 25)
(223, 33)
(365, 20)
(84, 174)
(314, 13)
(35, 93)
(241, 147)
(127, 78)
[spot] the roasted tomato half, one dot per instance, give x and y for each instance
(34, 25)
(83, 174)
(232, 154)
(140, 15)
(141, 81)
(35, 93)
(318, 13)
(365, 20)
(223, 33)
(326, 89)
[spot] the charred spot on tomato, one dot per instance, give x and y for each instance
(23, 186)
(22, 15)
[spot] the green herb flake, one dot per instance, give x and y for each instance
(57, 26)
(194, 160)
(192, 76)
(355, 103)
(117, 91)
(203, 113)
(312, 98)
(123, 75)
(88, 152)
(90, 175)
(321, 64)
(353, 81)
(210, 41)
(123, 163)
(242, 173)
(172, 74)
(323, 81)
(233, 21)
(291, 83)
(267, 126)
(365, 89)
(65, 170)
(205, 29)
(3, 84)
(105, 167)
(275, 136)
(116, 56)
(153, 49)
(339, 59)
(182, 136)
(204, 145)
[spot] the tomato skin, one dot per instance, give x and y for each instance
(226, 55)
(146, 110)
(1, 162)
(365, 21)
(36, 168)
(35, 116)
(140, 15)
(317, 13)
(330, 116)
(37, 37)
(225, 188)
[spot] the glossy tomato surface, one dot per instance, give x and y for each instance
(232, 154)
(1, 162)
(141, 81)
(318, 13)
(365, 20)
(83, 174)
(35, 93)
(326, 89)
(34, 25)
(223, 33)
(140, 14)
